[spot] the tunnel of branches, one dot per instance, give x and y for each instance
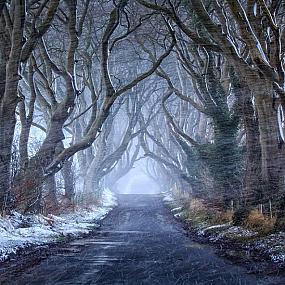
(187, 94)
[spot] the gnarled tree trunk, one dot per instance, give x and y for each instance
(272, 165)
(10, 54)
(252, 176)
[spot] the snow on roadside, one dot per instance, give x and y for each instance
(236, 232)
(177, 209)
(271, 246)
(167, 197)
(205, 230)
(18, 231)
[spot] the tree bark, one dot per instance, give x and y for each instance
(51, 202)
(252, 176)
(272, 157)
(10, 53)
(68, 178)
(7, 127)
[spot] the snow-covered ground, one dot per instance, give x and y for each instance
(18, 232)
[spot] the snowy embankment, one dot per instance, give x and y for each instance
(18, 232)
(271, 246)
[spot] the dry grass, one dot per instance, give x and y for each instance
(199, 206)
(224, 217)
(199, 212)
(196, 207)
(259, 222)
(195, 210)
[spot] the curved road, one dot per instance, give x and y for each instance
(138, 243)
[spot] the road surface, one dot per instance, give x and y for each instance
(138, 243)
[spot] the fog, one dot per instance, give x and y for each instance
(137, 182)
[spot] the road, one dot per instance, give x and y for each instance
(138, 243)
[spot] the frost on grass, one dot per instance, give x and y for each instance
(18, 231)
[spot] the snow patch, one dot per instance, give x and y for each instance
(222, 231)
(176, 209)
(178, 215)
(238, 232)
(206, 230)
(167, 197)
(18, 231)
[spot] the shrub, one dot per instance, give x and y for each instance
(240, 216)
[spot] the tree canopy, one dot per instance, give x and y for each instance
(89, 88)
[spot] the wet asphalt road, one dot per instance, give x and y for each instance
(138, 243)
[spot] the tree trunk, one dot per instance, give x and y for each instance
(10, 54)
(272, 156)
(51, 203)
(280, 221)
(225, 164)
(5, 136)
(24, 137)
(272, 166)
(91, 193)
(252, 176)
(201, 135)
(68, 177)
(7, 127)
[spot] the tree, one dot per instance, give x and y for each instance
(249, 35)
(13, 51)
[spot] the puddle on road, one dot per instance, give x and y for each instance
(99, 260)
(89, 273)
(70, 249)
(77, 246)
(196, 245)
(110, 242)
(86, 242)
(107, 258)
(123, 232)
